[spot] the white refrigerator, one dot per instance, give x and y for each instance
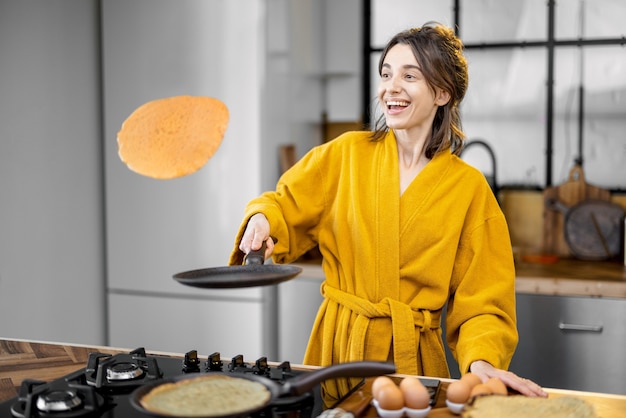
(156, 228)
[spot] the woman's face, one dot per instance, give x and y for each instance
(404, 95)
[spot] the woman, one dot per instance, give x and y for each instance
(404, 227)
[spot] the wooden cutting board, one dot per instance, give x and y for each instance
(571, 192)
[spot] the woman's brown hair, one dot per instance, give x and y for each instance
(439, 54)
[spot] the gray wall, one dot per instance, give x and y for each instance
(51, 201)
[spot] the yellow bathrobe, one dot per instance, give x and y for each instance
(392, 262)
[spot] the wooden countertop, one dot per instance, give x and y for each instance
(566, 277)
(22, 359)
(571, 277)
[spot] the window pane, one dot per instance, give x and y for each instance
(392, 16)
(505, 107)
(503, 20)
(590, 19)
(603, 113)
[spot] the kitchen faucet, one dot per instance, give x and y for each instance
(490, 179)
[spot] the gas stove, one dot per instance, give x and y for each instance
(104, 387)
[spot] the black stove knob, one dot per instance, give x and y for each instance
(214, 363)
(260, 366)
(281, 372)
(191, 364)
(285, 366)
(236, 363)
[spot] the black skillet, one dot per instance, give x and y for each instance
(297, 385)
(252, 273)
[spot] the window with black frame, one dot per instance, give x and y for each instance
(547, 82)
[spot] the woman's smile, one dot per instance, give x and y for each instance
(396, 106)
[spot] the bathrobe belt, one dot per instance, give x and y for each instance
(404, 321)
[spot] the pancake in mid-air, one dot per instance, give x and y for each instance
(172, 137)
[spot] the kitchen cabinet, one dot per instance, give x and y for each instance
(572, 342)
(298, 303)
(570, 320)
(207, 322)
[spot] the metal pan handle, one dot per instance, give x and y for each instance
(563, 326)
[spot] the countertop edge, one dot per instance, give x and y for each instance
(103, 348)
(540, 285)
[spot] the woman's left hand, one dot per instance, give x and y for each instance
(526, 387)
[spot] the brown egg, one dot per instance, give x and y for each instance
(480, 389)
(415, 394)
(379, 382)
(458, 391)
(471, 379)
(497, 386)
(390, 397)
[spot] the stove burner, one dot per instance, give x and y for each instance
(121, 371)
(65, 398)
(58, 400)
(124, 371)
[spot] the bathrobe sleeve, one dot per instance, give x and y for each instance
(295, 209)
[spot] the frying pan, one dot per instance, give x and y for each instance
(297, 385)
(252, 273)
(592, 228)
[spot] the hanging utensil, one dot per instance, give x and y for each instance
(592, 228)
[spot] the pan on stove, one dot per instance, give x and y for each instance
(297, 385)
(252, 273)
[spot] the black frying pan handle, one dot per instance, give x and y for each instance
(306, 381)
(255, 256)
